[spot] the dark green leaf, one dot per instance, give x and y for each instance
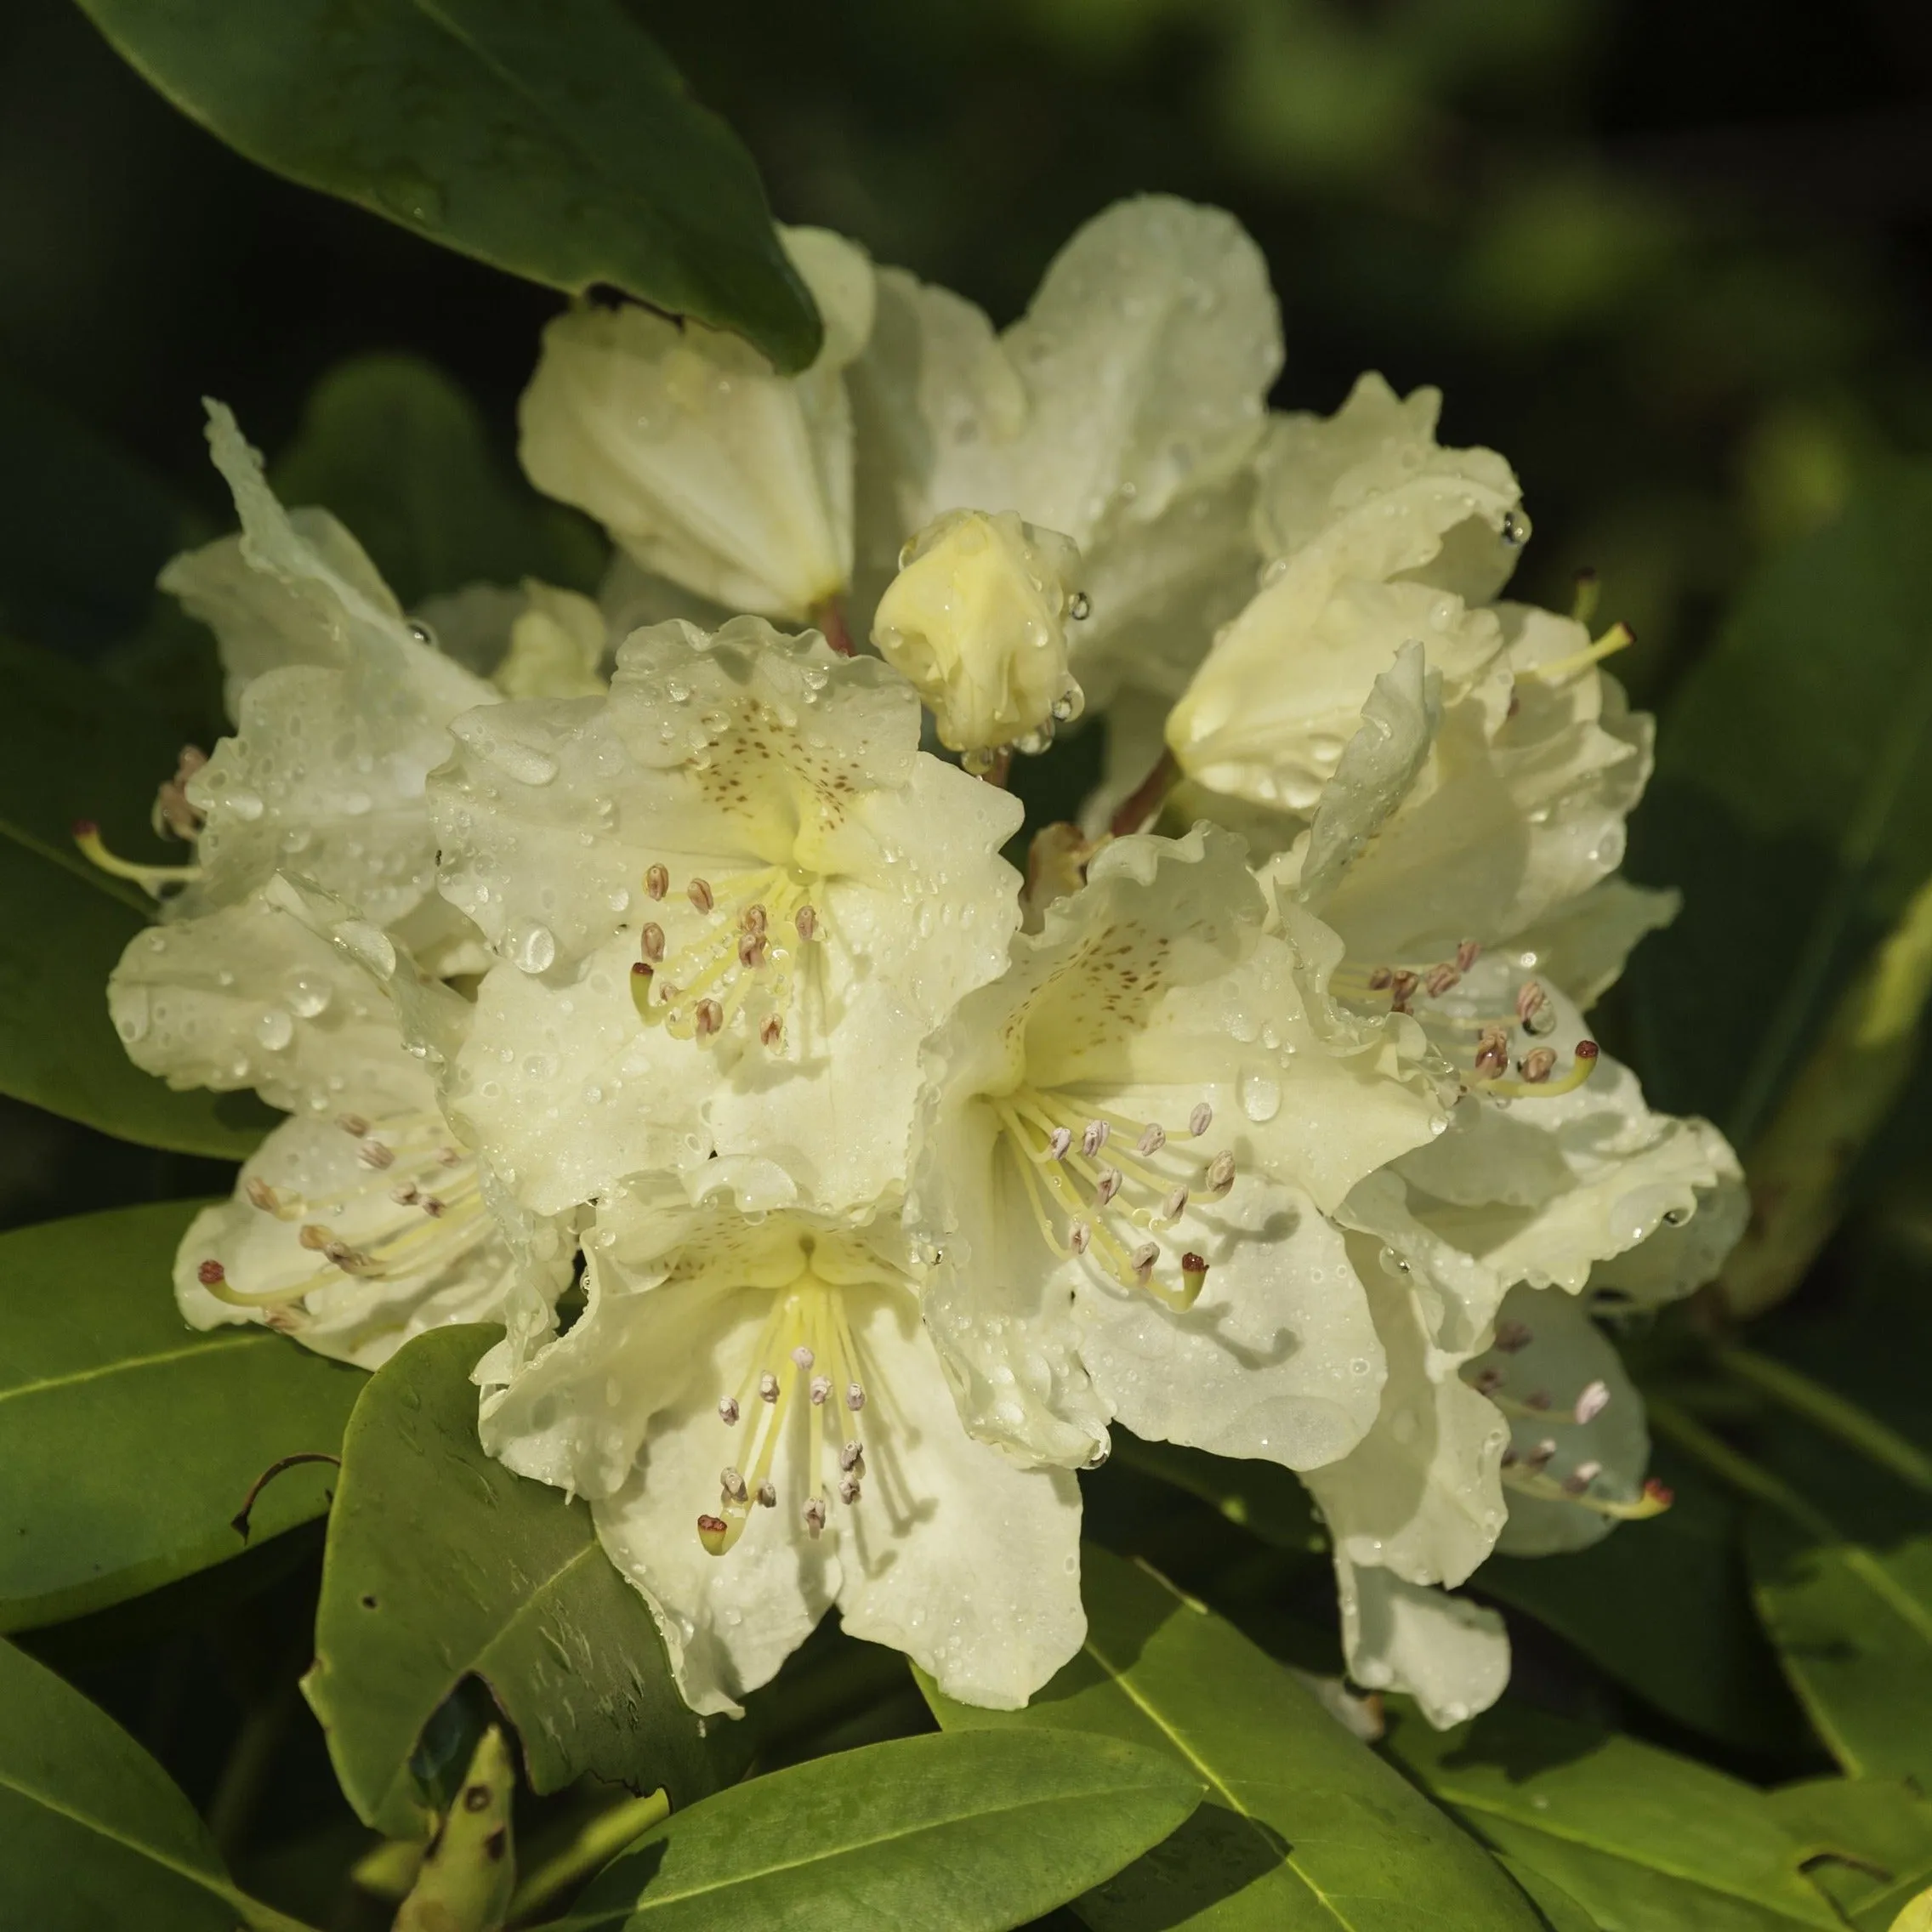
(967, 1832)
(399, 454)
(1638, 1837)
(1869, 1844)
(1664, 1607)
(1793, 802)
(128, 1440)
(1261, 1497)
(442, 1564)
(92, 1832)
(1304, 1826)
(556, 142)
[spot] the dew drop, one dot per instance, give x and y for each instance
(530, 945)
(274, 1028)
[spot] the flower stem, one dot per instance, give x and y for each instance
(1831, 1413)
(1144, 805)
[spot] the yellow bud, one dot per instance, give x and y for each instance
(976, 619)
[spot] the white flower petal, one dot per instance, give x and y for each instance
(1451, 1656)
(454, 1267)
(966, 1563)
(255, 996)
(1119, 411)
(700, 459)
(1557, 1359)
(1278, 1358)
(1422, 1496)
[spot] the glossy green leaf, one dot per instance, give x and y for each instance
(1792, 803)
(974, 1833)
(1641, 1839)
(1664, 1607)
(441, 1564)
(1560, 1912)
(91, 1832)
(75, 745)
(556, 142)
(1303, 1826)
(1851, 1618)
(1868, 1844)
(399, 453)
(128, 1440)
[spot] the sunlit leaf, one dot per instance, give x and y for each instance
(128, 1440)
(558, 143)
(1868, 1844)
(442, 1564)
(1303, 1827)
(1638, 1837)
(973, 1833)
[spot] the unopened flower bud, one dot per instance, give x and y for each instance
(976, 619)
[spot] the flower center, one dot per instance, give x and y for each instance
(737, 953)
(806, 1360)
(422, 1215)
(1102, 1186)
(1497, 1047)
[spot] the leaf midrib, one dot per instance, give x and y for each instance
(399, 1783)
(647, 1903)
(1549, 1829)
(134, 1364)
(1119, 1679)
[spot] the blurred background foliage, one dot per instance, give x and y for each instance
(1675, 262)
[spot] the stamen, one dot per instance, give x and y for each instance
(1539, 1458)
(1538, 1065)
(707, 1017)
(768, 1494)
(814, 1514)
(750, 949)
(1143, 1258)
(1592, 1403)
(1533, 1009)
(262, 1194)
(806, 920)
(1511, 1336)
(771, 1031)
(353, 1125)
(1174, 1206)
(1107, 1185)
(408, 1196)
(854, 1397)
(732, 1483)
(754, 918)
(700, 895)
(728, 1410)
(1467, 954)
(803, 1356)
(1220, 1173)
(768, 1387)
(1078, 1236)
(152, 879)
(1058, 1141)
(1493, 1053)
(852, 1456)
(821, 1391)
(1153, 1139)
(374, 1154)
(1439, 980)
(1401, 985)
(1379, 979)
(1200, 1119)
(1581, 1477)
(656, 881)
(1093, 1137)
(1618, 637)
(651, 942)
